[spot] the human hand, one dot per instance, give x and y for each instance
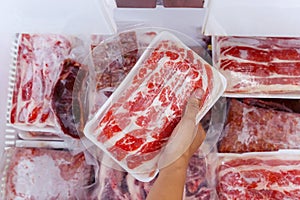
(186, 137)
(183, 143)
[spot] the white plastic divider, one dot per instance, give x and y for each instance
(57, 16)
(252, 18)
(185, 20)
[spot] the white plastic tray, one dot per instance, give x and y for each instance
(141, 172)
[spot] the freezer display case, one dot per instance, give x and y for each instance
(78, 86)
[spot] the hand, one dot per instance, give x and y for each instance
(184, 142)
(186, 137)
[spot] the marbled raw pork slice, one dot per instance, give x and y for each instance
(267, 127)
(47, 174)
(262, 65)
(137, 124)
(273, 176)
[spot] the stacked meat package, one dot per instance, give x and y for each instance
(257, 156)
(44, 158)
(89, 116)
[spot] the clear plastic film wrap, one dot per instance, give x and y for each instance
(47, 98)
(134, 124)
(258, 66)
(255, 125)
(257, 152)
(41, 173)
(119, 184)
(259, 175)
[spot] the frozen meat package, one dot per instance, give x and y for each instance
(259, 66)
(255, 125)
(263, 175)
(135, 123)
(47, 92)
(41, 173)
(196, 185)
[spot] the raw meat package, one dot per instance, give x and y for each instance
(47, 91)
(259, 66)
(115, 184)
(259, 176)
(135, 123)
(260, 125)
(38, 173)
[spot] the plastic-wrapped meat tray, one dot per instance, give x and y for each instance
(46, 79)
(156, 89)
(121, 185)
(265, 175)
(255, 125)
(259, 66)
(39, 173)
(258, 151)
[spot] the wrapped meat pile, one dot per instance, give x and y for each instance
(122, 186)
(259, 65)
(265, 133)
(259, 176)
(40, 100)
(255, 125)
(48, 174)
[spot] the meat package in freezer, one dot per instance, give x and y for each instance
(47, 84)
(135, 123)
(254, 125)
(39, 173)
(115, 184)
(259, 66)
(259, 176)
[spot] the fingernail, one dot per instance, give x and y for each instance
(198, 93)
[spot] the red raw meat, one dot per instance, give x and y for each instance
(68, 96)
(152, 101)
(259, 64)
(196, 184)
(114, 184)
(266, 127)
(264, 176)
(47, 174)
(113, 59)
(38, 66)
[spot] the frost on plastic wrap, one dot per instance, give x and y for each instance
(255, 125)
(42, 63)
(120, 185)
(259, 176)
(47, 174)
(68, 96)
(135, 124)
(259, 65)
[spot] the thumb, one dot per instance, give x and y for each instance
(193, 105)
